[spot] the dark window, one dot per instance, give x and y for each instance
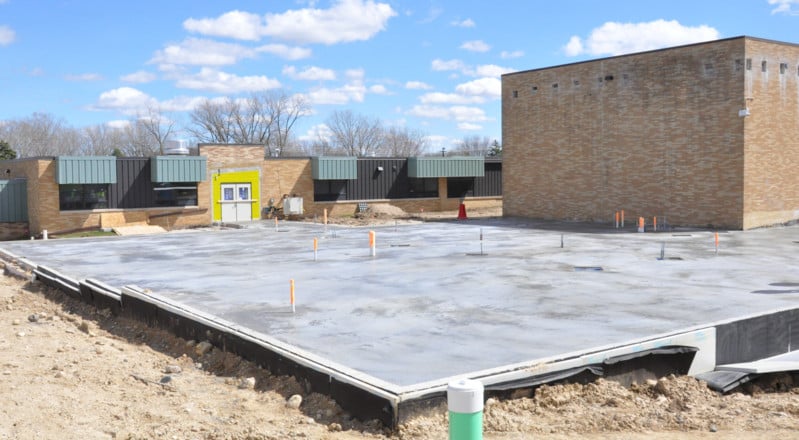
(329, 190)
(459, 187)
(783, 68)
(748, 64)
(763, 66)
(427, 187)
(77, 197)
(515, 93)
(175, 194)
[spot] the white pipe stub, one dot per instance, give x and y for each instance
(465, 396)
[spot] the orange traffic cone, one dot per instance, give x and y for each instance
(462, 212)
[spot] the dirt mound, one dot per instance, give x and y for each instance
(382, 211)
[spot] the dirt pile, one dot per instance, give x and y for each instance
(68, 370)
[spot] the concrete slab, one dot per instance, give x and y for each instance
(436, 301)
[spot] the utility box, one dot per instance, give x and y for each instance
(292, 206)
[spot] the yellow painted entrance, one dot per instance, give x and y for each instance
(236, 195)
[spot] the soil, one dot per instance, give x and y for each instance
(68, 370)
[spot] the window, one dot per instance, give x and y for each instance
(459, 187)
(515, 93)
(748, 64)
(535, 90)
(423, 187)
(77, 197)
(763, 66)
(175, 194)
(783, 68)
(329, 190)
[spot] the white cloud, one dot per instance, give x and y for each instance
(234, 24)
(511, 54)
(118, 123)
(353, 92)
(317, 132)
(785, 7)
(124, 99)
(485, 87)
(7, 35)
(458, 113)
(139, 77)
(468, 126)
(84, 77)
(417, 85)
(490, 70)
(355, 74)
(467, 23)
(345, 21)
(441, 65)
(619, 38)
(476, 46)
(200, 52)
(449, 98)
(379, 89)
(222, 82)
(312, 73)
(286, 52)
(181, 103)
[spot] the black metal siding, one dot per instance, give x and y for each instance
(134, 188)
(391, 183)
(491, 183)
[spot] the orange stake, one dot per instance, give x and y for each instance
(291, 289)
(717, 242)
(655, 224)
(617, 219)
(622, 218)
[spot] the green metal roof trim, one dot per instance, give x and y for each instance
(462, 166)
(86, 169)
(164, 169)
(13, 200)
(334, 168)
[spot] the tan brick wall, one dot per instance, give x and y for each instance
(410, 206)
(655, 134)
(771, 167)
(231, 155)
(291, 177)
(13, 231)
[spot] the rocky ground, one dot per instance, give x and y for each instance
(68, 370)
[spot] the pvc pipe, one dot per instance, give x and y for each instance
(617, 219)
(655, 223)
(324, 217)
(44, 234)
(276, 226)
(291, 290)
(465, 405)
(315, 247)
(640, 224)
(622, 219)
(372, 242)
(717, 242)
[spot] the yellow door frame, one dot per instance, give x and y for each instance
(251, 176)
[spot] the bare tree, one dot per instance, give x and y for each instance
(157, 125)
(101, 140)
(41, 134)
(474, 146)
(283, 112)
(137, 141)
(355, 135)
(211, 121)
(403, 142)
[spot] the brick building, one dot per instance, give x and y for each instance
(227, 183)
(703, 134)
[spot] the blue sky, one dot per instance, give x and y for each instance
(433, 66)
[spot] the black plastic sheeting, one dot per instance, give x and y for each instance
(756, 338)
(656, 362)
(724, 381)
(101, 295)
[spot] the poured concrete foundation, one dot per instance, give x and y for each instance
(437, 302)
